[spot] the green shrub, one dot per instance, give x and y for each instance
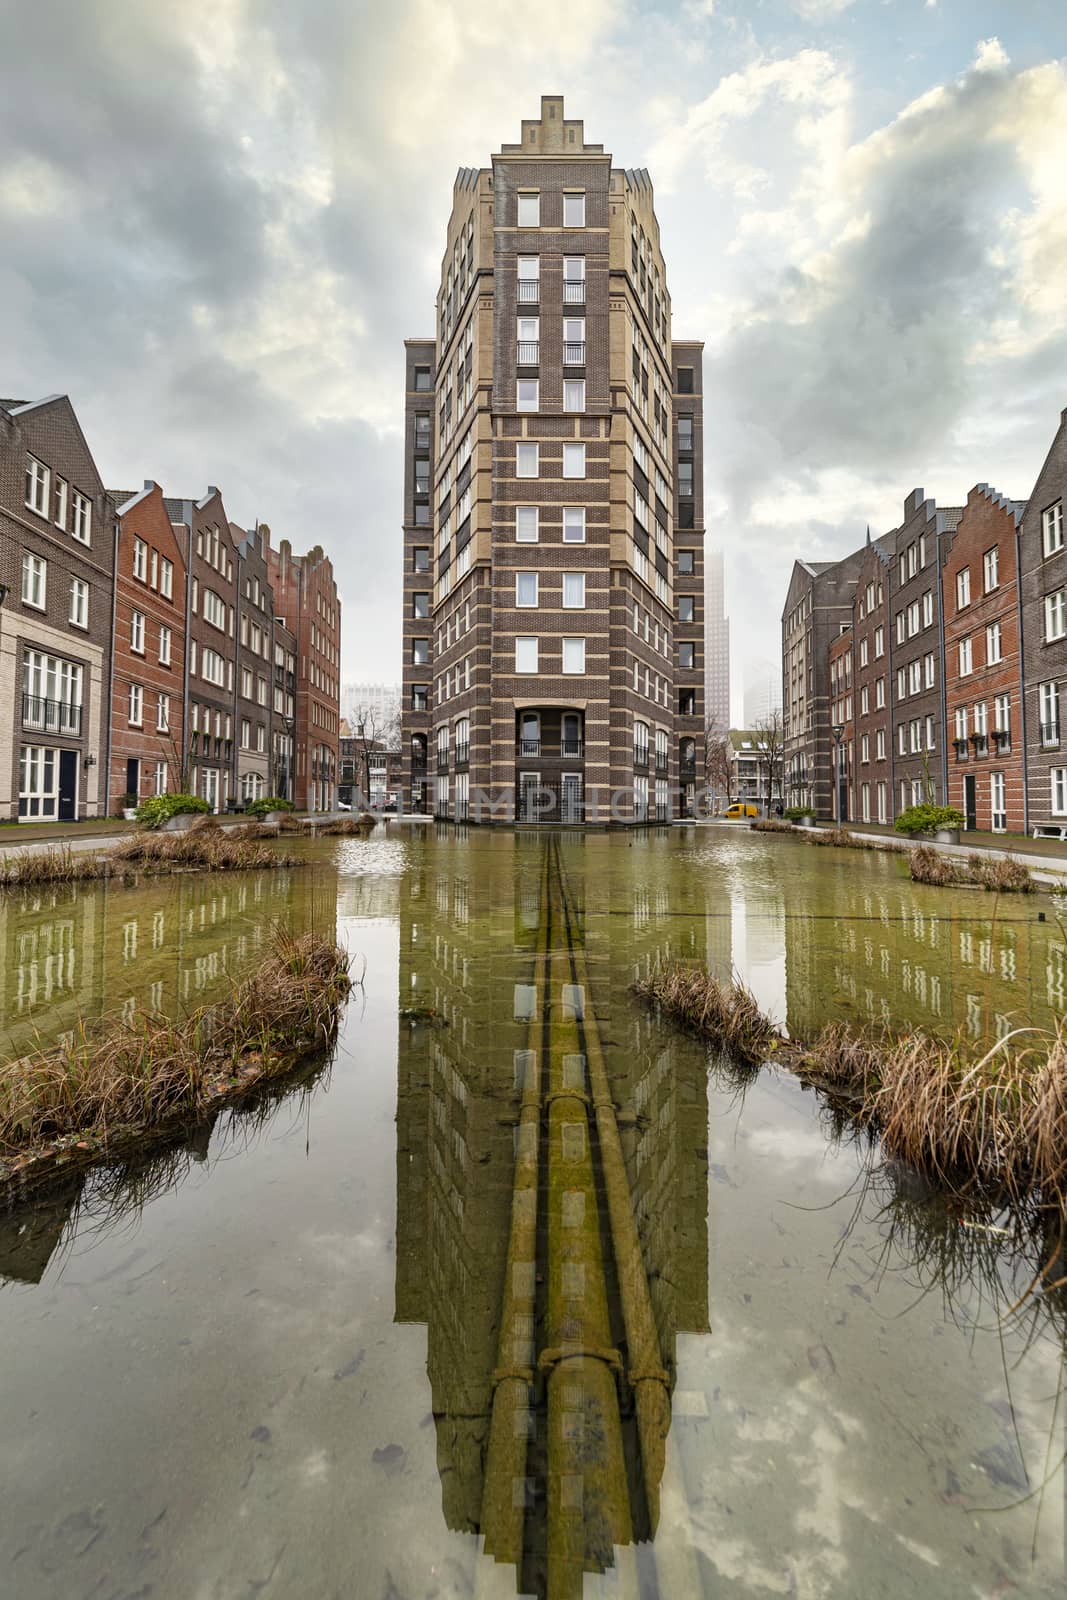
(154, 812)
(926, 818)
(794, 813)
(270, 802)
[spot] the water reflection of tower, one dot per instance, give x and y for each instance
(469, 918)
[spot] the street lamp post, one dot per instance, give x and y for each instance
(838, 732)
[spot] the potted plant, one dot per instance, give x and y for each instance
(270, 808)
(129, 807)
(800, 816)
(174, 812)
(940, 823)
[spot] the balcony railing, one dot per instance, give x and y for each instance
(529, 353)
(1050, 733)
(980, 742)
(1002, 739)
(661, 764)
(463, 754)
(418, 762)
(529, 291)
(529, 747)
(51, 716)
(570, 748)
(961, 747)
(687, 770)
(574, 292)
(442, 760)
(641, 758)
(574, 355)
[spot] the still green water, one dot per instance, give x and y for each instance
(261, 1363)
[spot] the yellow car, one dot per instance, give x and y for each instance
(740, 809)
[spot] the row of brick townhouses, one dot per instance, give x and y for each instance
(553, 512)
(148, 644)
(931, 664)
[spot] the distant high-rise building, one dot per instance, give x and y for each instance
(375, 703)
(763, 691)
(717, 644)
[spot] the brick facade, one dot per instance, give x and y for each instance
(872, 671)
(984, 702)
(254, 678)
(57, 561)
(1043, 555)
(147, 723)
(305, 598)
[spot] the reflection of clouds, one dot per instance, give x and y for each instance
(801, 1147)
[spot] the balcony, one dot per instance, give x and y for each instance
(463, 755)
(687, 770)
(442, 760)
(574, 355)
(571, 749)
(529, 291)
(662, 764)
(574, 293)
(529, 747)
(51, 716)
(641, 758)
(529, 353)
(1050, 734)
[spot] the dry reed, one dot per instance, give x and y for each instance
(992, 1121)
(29, 867)
(117, 1075)
(1002, 874)
(197, 847)
(347, 827)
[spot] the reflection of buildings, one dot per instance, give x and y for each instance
(167, 944)
(468, 935)
(873, 948)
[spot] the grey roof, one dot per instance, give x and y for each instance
(120, 496)
(952, 515)
(11, 405)
(175, 509)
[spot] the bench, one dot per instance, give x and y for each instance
(1050, 830)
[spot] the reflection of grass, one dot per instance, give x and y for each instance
(208, 847)
(994, 1121)
(149, 1073)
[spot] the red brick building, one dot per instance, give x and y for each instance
(147, 727)
(305, 601)
(872, 647)
(983, 663)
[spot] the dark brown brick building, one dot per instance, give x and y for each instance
(872, 671)
(841, 723)
(305, 599)
(552, 681)
(1043, 588)
(210, 656)
(920, 760)
(983, 664)
(818, 606)
(254, 664)
(147, 726)
(57, 562)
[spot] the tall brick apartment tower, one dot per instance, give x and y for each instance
(553, 515)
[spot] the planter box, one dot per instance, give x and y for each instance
(183, 821)
(278, 817)
(945, 836)
(804, 822)
(129, 813)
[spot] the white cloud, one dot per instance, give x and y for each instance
(990, 56)
(819, 10)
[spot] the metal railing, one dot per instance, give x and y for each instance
(687, 771)
(571, 747)
(51, 716)
(442, 760)
(574, 355)
(1050, 733)
(529, 353)
(463, 754)
(641, 757)
(574, 292)
(662, 763)
(529, 747)
(529, 291)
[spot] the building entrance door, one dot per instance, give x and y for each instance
(211, 787)
(571, 808)
(970, 803)
(68, 786)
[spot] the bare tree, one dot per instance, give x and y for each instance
(375, 732)
(770, 741)
(718, 760)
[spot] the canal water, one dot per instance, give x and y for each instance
(262, 1362)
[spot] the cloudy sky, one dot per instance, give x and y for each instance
(221, 218)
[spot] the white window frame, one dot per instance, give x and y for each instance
(1058, 786)
(574, 204)
(573, 524)
(38, 480)
(166, 578)
(529, 450)
(966, 657)
(532, 399)
(994, 644)
(963, 588)
(79, 603)
(573, 657)
(527, 515)
(1055, 609)
(162, 713)
(1052, 529)
(164, 645)
(137, 630)
(526, 650)
(62, 502)
(574, 394)
(991, 570)
(135, 706)
(529, 579)
(34, 589)
(81, 526)
(528, 201)
(140, 559)
(573, 454)
(576, 583)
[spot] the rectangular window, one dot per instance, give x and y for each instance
(1059, 791)
(420, 606)
(574, 525)
(863, 652)
(574, 460)
(685, 563)
(879, 694)
(525, 655)
(213, 667)
(37, 486)
(993, 644)
(34, 581)
(990, 565)
(140, 560)
(526, 460)
(574, 394)
(1002, 714)
(161, 777)
(879, 744)
(137, 632)
(166, 578)
(574, 591)
(963, 588)
(526, 524)
(1051, 529)
(1056, 615)
(38, 782)
(931, 733)
(1049, 703)
(164, 646)
(573, 655)
(879, 642)
(529, 212)
(526, 589)
(928, 608)
(686, 605)
(136, 704)
(163, 713)
(420, 652)
(574, 210)
(420, 560)
(686, 655)
(981, 718)
(966, 658)
(79, 603)
(930, 670)
(527, 393)
(83, 517)
(62, 498)
(915, 677)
